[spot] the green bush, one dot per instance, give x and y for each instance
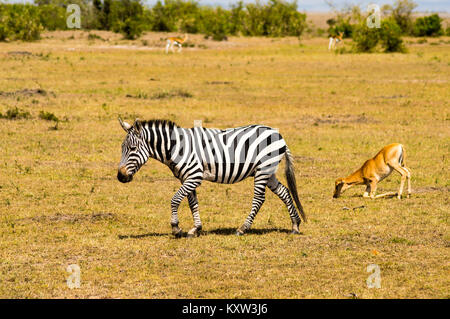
(391, 36)
(48, 116)
(340, 25)
(15, 114)
(365, 39)
(402, 14)
(428, 26)
(19, 22)
(52, 17)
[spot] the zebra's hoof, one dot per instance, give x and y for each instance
(239, 232)
(295, 232)
(193, 233)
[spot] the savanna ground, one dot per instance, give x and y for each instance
(61, 203)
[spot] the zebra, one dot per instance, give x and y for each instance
(222, 156)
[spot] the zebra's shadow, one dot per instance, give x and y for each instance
(218, 231)
(252, 231)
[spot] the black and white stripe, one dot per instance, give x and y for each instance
(222, 156)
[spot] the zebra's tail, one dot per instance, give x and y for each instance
(292, 184)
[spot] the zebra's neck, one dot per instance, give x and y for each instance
(157, 134)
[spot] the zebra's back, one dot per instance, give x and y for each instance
(231, 155)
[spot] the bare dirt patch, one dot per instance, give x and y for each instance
(340, 119)
(26, 92)
(71, 218)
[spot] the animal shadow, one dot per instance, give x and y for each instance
(218, 231)
(252, 231)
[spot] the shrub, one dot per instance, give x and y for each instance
(19, 22)
(391, 36)
(48, 116)
(52, 17)
(15, 114)
(365, 39)
(428, 26)
(345, 21)
(402, 14)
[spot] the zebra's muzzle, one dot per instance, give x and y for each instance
(122, 175)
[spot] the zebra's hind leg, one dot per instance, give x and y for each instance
(258, 199)
(283, 193)
(193, 205)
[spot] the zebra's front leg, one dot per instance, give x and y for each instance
(185, 189)
(258, 199)
(193, 205)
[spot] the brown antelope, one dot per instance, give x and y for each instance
(334, 40)
(391, 157)
(175, 41)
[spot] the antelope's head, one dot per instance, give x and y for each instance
(134, 151)
(340, 186)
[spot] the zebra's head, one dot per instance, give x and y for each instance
(134, 151)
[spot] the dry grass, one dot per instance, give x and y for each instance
(60, 202)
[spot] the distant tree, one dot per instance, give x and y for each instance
(391, 36)
(402, 14)
(428, 26)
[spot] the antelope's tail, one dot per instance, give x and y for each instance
(403, 159)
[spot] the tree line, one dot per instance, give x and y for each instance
(396, 21)
(276, 18)
(273, 18)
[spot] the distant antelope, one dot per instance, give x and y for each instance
(334, 40)
(391, 157)
(175, 41)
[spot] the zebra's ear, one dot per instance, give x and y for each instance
(125, 125)
(137, 125)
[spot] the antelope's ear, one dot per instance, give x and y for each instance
(125, 125)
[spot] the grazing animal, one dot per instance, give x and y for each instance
(335, 40)
(221, 156)
(391, 157)
(175, 41)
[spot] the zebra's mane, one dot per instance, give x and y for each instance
(157, 122)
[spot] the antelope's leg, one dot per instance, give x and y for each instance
(373, 188)
(330, 44)
(167, 46)
(392, 194)
(258, 199)
(408, 177)
(193, 205)
(367, 191)
(403, 173)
